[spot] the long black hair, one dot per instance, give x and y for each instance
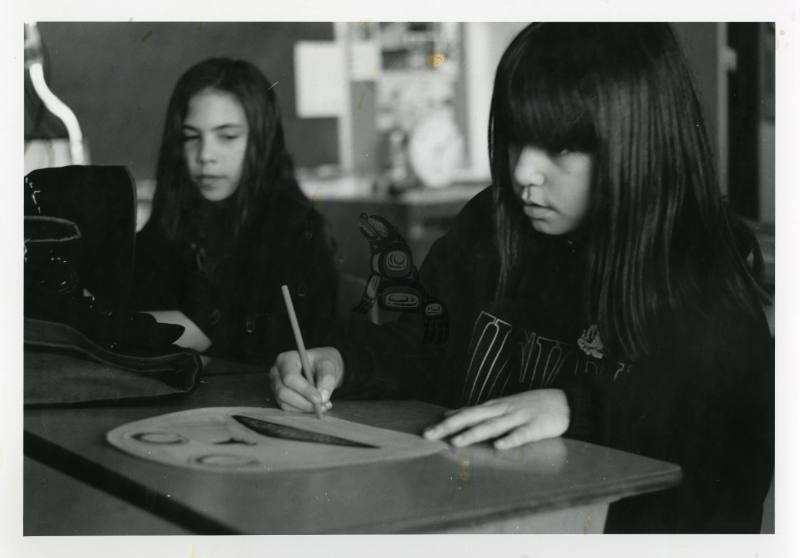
(658, 232)
(268, 169)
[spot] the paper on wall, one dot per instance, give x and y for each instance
(320, 79)
(365, 61)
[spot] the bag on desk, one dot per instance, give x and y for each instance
(82, 341)
(63, 366)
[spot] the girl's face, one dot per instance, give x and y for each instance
(215, 134)
(553, 187)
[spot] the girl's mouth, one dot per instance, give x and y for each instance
(208, 178)
(536, 211)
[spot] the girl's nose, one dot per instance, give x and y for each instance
(531, 167)
(205, 151)
(528, 193)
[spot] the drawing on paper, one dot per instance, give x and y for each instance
(252, 439)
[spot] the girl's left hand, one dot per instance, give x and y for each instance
(524, 417)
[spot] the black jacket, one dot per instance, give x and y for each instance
(703, 398)
(231, 288)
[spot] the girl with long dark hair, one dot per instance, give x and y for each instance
(599, 289)
(229, 223)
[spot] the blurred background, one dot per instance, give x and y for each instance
(387, 118)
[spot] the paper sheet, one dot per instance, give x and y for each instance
(211, 439)
(320, 79)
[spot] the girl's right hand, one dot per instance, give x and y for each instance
(290, 388)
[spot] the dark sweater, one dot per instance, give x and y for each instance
(231, 288)
(703, 398)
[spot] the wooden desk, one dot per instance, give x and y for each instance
(557, 486)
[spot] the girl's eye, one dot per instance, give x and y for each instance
(187, 139)
(228, 137)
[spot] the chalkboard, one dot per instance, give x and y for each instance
(117, 78)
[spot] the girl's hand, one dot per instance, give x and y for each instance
(290, 388)
(525, 417)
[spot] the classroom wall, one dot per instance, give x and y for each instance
(117, 78)
(766, 157)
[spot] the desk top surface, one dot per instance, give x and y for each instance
(450, 488)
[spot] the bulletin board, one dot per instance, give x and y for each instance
(117, 77)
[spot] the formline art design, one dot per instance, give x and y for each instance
(394, 280)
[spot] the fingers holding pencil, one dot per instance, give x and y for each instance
(328, 373)
(310, 392)
(301, 346)
(291, 388)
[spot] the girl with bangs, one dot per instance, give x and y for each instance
(599, 289)
(229, 223)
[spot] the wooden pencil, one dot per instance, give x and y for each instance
(301, 346)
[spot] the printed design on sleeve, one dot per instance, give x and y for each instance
(536, 361)
(394, 280)
(487, 367)
(542, 360)
(590, 342)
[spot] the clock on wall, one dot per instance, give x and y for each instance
(435, 148)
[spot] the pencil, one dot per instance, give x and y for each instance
(301, 347)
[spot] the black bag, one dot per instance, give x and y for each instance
(79, 247)
(63, 366)
(101, 201)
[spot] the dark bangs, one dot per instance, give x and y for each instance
(546, 97)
